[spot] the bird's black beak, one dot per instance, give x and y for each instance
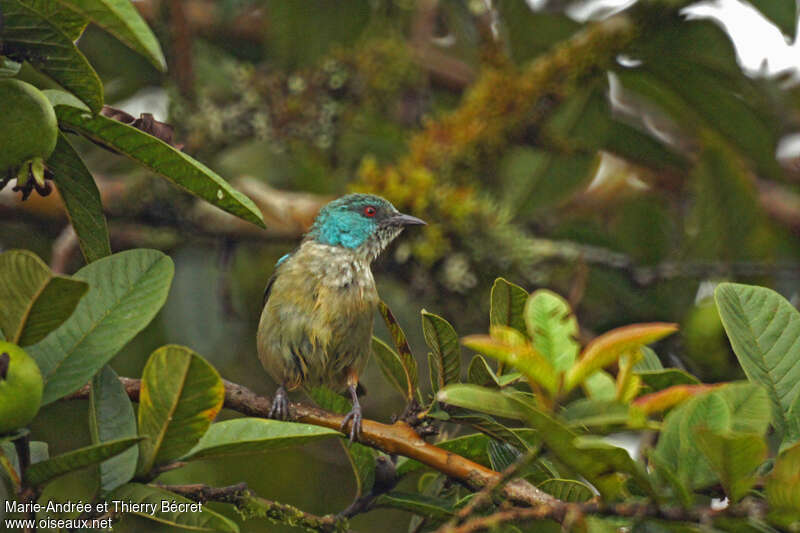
(401, 219)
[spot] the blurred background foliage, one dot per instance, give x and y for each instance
(620, 157)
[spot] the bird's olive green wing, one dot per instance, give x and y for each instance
(271, 280)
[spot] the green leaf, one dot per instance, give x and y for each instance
(510, 347)
(600, 386)
(736, 407)
(782, 487)
(567, 490)
(592, 413)
(126, 290)
(29, 32)
(8, 68)
(362, 458)
(593, 459)
(44, 471)
(163, 159)
(492, 428)
(616, 459)
(81, 199)
(501, 455)
(480, 373)
(254, 435)
(472, 447)
(202, 520)
(427, 506)
(764, 330)
(181, 395)
(783, 13)
(122, 20)
(668, 377)
(679, 489)
(649, 361)
(401, 345)
(507, 305)
(518, 22)
(552, 328)
(391, 366)
(734, 457)
(441, 338)
(111, 417)
(35, 302)
(482, 400)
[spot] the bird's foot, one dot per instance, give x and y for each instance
(280, 405)
(354, 417)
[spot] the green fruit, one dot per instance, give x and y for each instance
(28, 125)
(20, 388)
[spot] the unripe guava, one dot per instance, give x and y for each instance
(28, 125)
(20, 388)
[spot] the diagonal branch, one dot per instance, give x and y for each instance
(398, 438)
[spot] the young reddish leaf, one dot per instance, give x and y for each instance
(607, 348)
(657, 402)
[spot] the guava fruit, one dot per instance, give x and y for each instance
(28, 135)
(21, 388)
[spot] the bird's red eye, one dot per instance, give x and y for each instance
(369, 211)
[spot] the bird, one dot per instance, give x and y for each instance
(319, 304)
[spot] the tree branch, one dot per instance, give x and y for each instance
(251, 505)
(398, 438)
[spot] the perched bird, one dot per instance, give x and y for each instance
(316, 324)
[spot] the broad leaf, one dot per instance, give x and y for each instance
(401, 345)
(783, 13)
(126, 291)
(518, 19)
(254, 435)
(82, 200)
(203, 520)
(44, 471)
(552, 328)
(764, 330)
(480, 373)
(427, 506)
(162, 159)
(8, 68)
(783, 489)
(668, 377)
(591, 413)
(502, 455)
(600, 386)
(392, 367)
(362, 458)
(608, 347)
(507, 305)
(567, 490)
(111, 417)
(30, 32)
(736, 407)
(181, 395)
(510, 347)
(482, 400)
(734, 457)
(441, 338)
(35, 302)
(122, 20)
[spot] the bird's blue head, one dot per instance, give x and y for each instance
(361, 222)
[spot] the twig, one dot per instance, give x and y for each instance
(395, 439)
(251, 505)
(561, 510)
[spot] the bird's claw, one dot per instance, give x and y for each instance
(280, 405)
(353, 416)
